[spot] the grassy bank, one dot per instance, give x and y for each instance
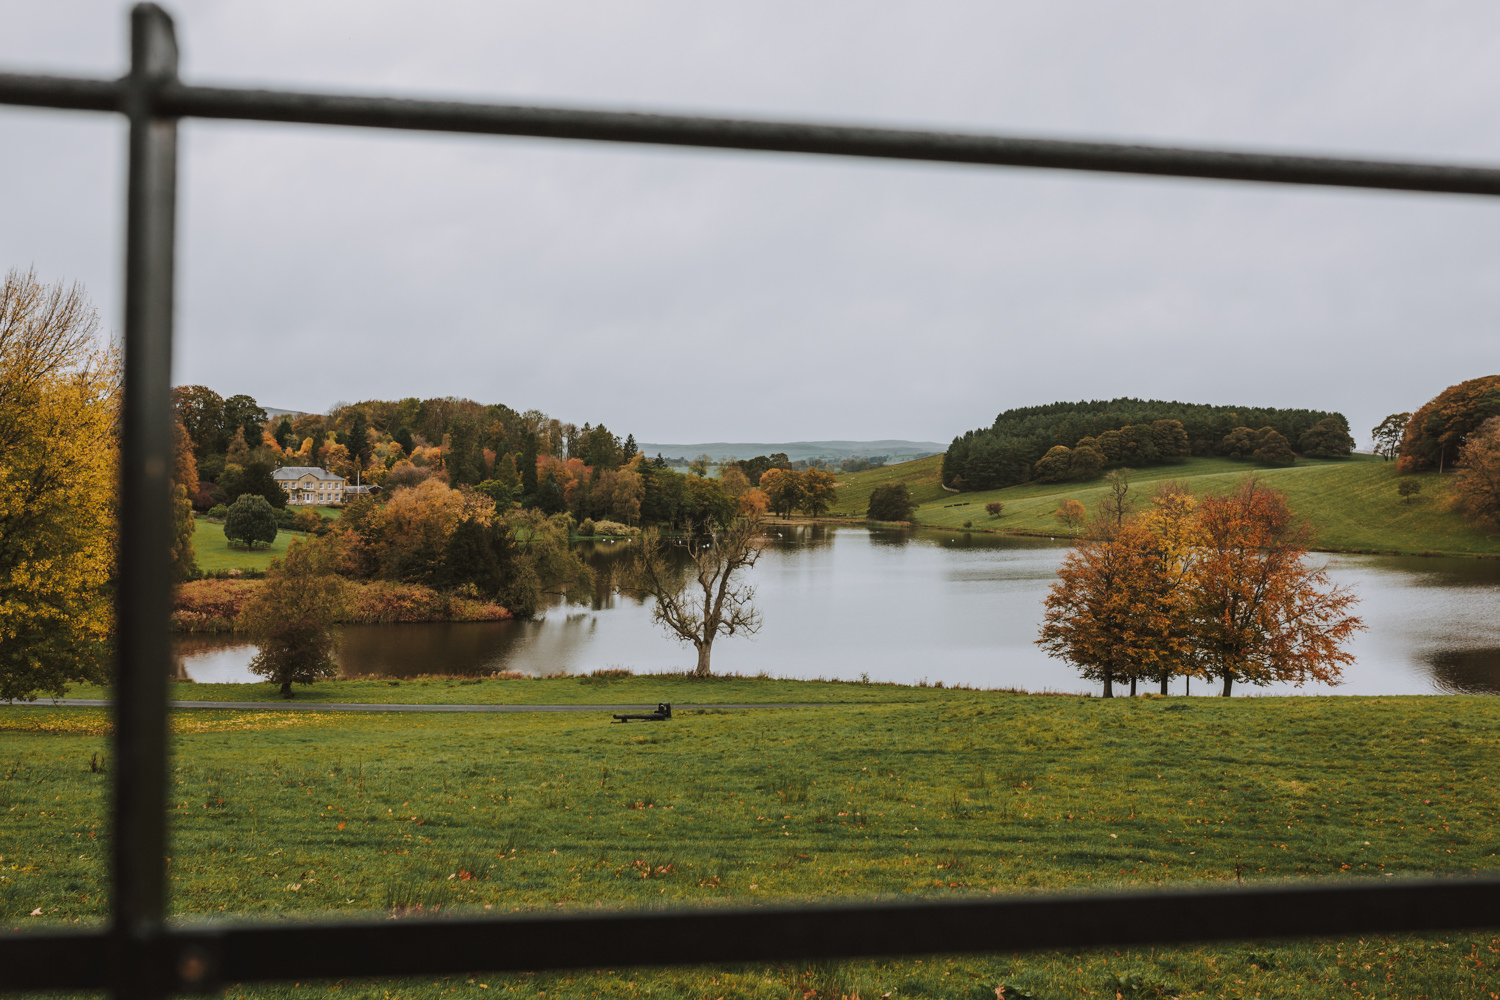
(646, 689)
(948, 794)
(1353, 504)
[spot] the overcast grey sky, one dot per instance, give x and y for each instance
(694, 296)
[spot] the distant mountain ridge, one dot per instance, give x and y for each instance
(795, 450)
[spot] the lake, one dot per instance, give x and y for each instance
(909, 605)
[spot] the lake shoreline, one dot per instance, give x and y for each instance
(865, 522)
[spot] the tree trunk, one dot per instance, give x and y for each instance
(1132, 687)
(286, 689)
(1109, 684)
(703, 650)
(1164, 685)
(1228, 684)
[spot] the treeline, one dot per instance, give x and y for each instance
(1062, 441)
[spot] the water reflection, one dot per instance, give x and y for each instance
(1466, 671)
(902, 605)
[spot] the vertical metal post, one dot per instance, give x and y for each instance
(144, 602)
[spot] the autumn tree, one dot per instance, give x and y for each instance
(1437, 431)
(1387, 434)
(783, 487)
(818, 492)
(1055, 466)
(201, 411)
(1260, 614)
(1328, 438)
(292, 616)
(1071, 514)
(184, 487)
(710, 599)
(59, 404)
(1477, 484)
(891, 502)
(1114, 612)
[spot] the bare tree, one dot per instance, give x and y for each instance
(1116, 504)
(707, 598)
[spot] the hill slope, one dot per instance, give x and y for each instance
(1352, 504)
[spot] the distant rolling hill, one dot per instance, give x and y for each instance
(797, 450)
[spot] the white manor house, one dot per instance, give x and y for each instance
(306, 485)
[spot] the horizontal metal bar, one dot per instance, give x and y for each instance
(420, 947)
(77, 960)
(766, 136)
(835, 140)
(71, 93)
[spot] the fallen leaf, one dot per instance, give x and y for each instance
(37, 912)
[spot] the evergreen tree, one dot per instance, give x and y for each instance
(470, 558)
(549, 496)
(360, 449)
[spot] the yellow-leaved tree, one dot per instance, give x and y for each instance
(59, 408)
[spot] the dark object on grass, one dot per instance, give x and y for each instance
(662, 714)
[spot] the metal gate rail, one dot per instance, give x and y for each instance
(140, 956)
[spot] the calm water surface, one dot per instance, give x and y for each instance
(902, 605)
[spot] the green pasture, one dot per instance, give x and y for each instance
(920, 476)
(948, 795)
(214, 551)
(1352, 504)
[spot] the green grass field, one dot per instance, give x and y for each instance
(214, 552)
(1352, 505)
(946, 794)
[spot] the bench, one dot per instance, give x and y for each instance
(662, 714)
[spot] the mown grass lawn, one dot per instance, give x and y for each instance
(948, 794)
(1352, 504)
(214, 552)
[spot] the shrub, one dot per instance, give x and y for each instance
(219, 511)
(384, 602)
(614, 528)
(307, 520)
(210, 605)
(586, 529)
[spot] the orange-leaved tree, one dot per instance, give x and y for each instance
(1260, 614)
(1478, 482)
(1115, 611)
(1071, 513)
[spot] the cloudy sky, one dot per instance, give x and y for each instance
(693, 296)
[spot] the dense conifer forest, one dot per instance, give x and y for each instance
(1078, 440)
